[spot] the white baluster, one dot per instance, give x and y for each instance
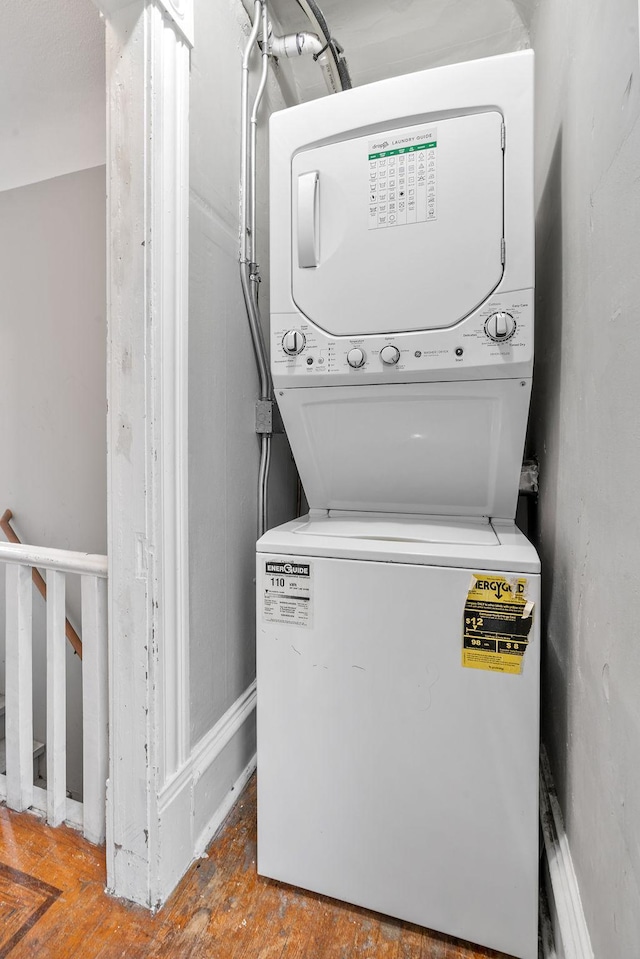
(18, 693)
(56, 699)
(94, 706)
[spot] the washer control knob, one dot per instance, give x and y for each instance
(293, 342)
(356, 358)
(500, 326)
(390, 355)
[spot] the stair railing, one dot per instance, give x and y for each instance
(17, 786)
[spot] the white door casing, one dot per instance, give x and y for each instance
(148, 48)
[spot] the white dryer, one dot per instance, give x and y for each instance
(398, 645)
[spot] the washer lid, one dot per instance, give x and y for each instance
(399, 230)
(409, 528)
(446, 542)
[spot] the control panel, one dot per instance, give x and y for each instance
(495, 340)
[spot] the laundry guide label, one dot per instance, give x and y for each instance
(497, 622)
(402, 178)
(287, 592)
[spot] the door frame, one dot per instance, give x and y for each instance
(148, 45)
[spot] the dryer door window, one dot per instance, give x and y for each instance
(401, 230)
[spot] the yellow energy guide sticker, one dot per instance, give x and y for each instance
(497, 621)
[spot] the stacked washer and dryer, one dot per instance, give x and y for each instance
(397, 631)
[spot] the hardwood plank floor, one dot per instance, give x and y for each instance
(52, 906)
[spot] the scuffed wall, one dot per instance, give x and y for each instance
(586, 432)
(223, 385)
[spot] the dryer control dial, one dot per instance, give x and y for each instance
(500, 326)
(390, 355)
(293, 342)
(356, 358)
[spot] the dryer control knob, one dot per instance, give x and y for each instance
(356, 358)
(390, 355)
(500, 326)
(293, 342)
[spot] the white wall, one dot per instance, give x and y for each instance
(52, 101)
(586, 432)
(52, 389)
(223, 386)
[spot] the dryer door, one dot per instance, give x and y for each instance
(399, 231)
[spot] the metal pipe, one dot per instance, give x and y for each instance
(244, 113)
(257, 335)
(249, 268)
(263, 481)
(249, 277)
(253, 136)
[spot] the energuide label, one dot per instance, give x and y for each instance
(497, 621)
(287, 592)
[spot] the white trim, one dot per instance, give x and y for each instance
(224, 730)
(184, 806)
(217, 820)
(571, 934)
(167, 385)
(206, 751)
(46, 558)
(74, 815)
(56, 679)
(19, 687)
(95, 698)
(179, 11)
(147, 251)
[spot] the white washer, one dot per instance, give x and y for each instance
(390, 775)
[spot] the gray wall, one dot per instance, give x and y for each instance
(586, 432)
(52, 392)
(223, 447)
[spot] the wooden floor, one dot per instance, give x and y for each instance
(52, 905)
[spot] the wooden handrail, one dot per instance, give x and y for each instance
(7, 529)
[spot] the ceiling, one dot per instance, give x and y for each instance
(52, 89)
(385, 38)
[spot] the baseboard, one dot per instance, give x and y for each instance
(217, 820)
(566, 915)
(194, 804)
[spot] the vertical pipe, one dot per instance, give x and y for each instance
(248, 268)
(263, 479)
(244, 114)
(253, 135)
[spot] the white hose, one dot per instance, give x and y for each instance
(299, 44)
(326, 60)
